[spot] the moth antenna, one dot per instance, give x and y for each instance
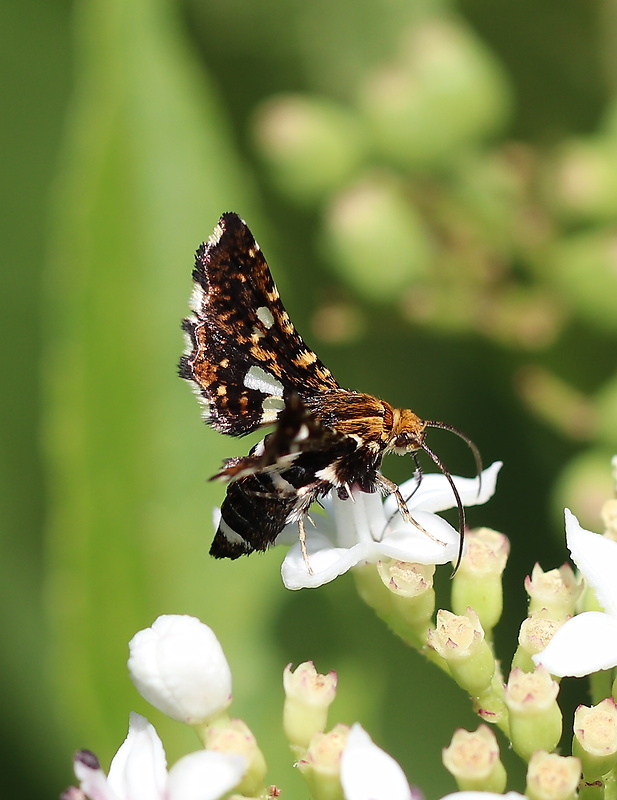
(459, 502)
(470, 444)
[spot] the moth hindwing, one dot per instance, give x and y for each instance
(250, 368)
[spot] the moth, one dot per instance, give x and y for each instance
(250, 368)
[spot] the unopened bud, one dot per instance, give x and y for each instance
(473, 759)
(412, 597)
(477, 584)
(459, 640)
(595, 738)
(535, 634)
(179, 667)
(552, 777)
(321, 766)
(235, 737)
(308, 696)
(535, 717)
(556, 591)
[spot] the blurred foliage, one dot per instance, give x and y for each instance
(434, 186)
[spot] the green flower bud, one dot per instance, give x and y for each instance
(401, 594)
(556, 591)
(552, 777)
(583, 268)
(234, 736)
(372, 222)
(473, 759)
(535, 717)
(412, 597)
(605, 402)
(460, 641)
(595, 738)
(439, 93)
(312, 145)
(308, 696)
(585, 482)
(582, 184)
(535, 633)
(477, 583)
(321, 765)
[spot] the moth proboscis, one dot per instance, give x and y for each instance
(250, 368)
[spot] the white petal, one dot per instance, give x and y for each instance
(322, 523)
(405, 542)
(179, 666)
(596, 557)
(585, 644)
(204, 775)
(369, 773)
(435, 493)
(139, 768)
(92, 780)
(327, 562)
(360, 518)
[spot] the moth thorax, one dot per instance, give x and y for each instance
(407, 431)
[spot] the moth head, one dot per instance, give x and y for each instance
(407, 436)
(407, 432)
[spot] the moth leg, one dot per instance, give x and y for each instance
(302, 536)
(389, 487)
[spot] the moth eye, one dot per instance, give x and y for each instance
(408, 441)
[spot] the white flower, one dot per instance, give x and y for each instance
(367, 529)
(138, 771)
(179, 666)
(369, 773)
(587, 642)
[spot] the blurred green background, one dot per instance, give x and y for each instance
(435, 187)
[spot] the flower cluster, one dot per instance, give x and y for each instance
(179, 667)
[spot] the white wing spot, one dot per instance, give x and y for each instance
(272, 407)
(231, 536)
(328, 474)
(265, 316)
(302, 433)
(257, 378)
